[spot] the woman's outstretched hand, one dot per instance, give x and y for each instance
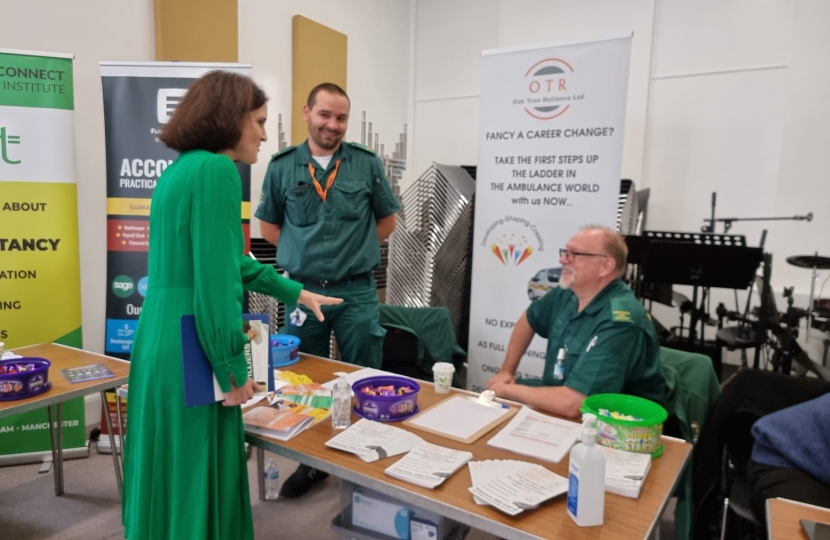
(314, 301)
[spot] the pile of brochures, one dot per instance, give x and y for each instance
(371, 441)
(428, 465)
(514, 486)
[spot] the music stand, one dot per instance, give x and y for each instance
(696, 259)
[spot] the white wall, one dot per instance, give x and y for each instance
(92, 30)
(378, 64)
(725, 96)
(450, 35)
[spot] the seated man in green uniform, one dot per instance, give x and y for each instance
(327, 205)
(600, 338)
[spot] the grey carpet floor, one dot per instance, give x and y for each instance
(91, 510)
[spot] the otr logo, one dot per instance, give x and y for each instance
(5, 141)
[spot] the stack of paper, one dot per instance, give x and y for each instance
(459, 417)
(313, 395)
(283, 419)
(284, 378)
(625, 472)
(482, 472)
(371, 441)
(537, 435)
(514, 486)
(428, 465)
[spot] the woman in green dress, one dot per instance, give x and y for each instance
(185, 472)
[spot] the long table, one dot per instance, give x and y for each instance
(63, 357)
(625, 518)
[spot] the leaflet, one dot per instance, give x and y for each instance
(482, 472)
(371, 441)
(537, 435)
(428, 465)
(625, 472)
(520, 490)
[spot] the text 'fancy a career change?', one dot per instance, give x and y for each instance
(545, 179)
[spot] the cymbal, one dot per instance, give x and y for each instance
(810, 261)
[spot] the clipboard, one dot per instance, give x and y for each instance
(484, 429)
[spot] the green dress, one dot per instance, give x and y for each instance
(185, 473)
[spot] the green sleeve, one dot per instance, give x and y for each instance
(217, 243)
(384, 202)
(264, 279)
(271, 207)
(540, 312)
(604, 368)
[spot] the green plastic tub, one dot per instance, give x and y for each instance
(641, 436)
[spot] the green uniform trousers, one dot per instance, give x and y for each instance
(355, 323)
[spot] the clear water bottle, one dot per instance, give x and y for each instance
(341, 407)
(272, 481)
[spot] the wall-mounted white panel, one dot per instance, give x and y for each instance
(718, 133)
(450, 37)
(720, 35)
(447, 133)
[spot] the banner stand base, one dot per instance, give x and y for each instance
(104, 444)
(39, 457)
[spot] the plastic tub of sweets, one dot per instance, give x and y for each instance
(393, 408)
(285, 350)
(640, 436)
(22, 378)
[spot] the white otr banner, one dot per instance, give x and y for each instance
(550, 154)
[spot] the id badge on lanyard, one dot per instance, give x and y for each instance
(559, 369)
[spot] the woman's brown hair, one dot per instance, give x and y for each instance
(210, 115)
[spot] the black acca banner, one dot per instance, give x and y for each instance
(138, 100)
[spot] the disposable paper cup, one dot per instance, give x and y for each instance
(442, 373)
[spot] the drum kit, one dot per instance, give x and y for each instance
(782, 339)
(776, 332)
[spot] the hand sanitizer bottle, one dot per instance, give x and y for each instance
(586, 477)
(341, 407)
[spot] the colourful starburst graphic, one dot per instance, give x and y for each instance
(510, 250)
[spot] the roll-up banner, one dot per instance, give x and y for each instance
(40, 280)
(139, 99)
(550, 154)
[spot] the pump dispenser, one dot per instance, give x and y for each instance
(586, 477)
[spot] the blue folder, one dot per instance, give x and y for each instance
(199, 386)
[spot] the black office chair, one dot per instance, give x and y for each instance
(400, 354)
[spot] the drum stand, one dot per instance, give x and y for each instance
(815, 277)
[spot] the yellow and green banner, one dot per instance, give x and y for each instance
(40, 282)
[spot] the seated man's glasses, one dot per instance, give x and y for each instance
(571, 255)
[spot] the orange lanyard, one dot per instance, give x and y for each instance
(317, 186)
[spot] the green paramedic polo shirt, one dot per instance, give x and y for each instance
(329, 240)
(611, 345)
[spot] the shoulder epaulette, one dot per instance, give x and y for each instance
(620, 311)
(361, 147)
(283, 152)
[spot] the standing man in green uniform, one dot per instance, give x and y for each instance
(328, 205)
(600, 338)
